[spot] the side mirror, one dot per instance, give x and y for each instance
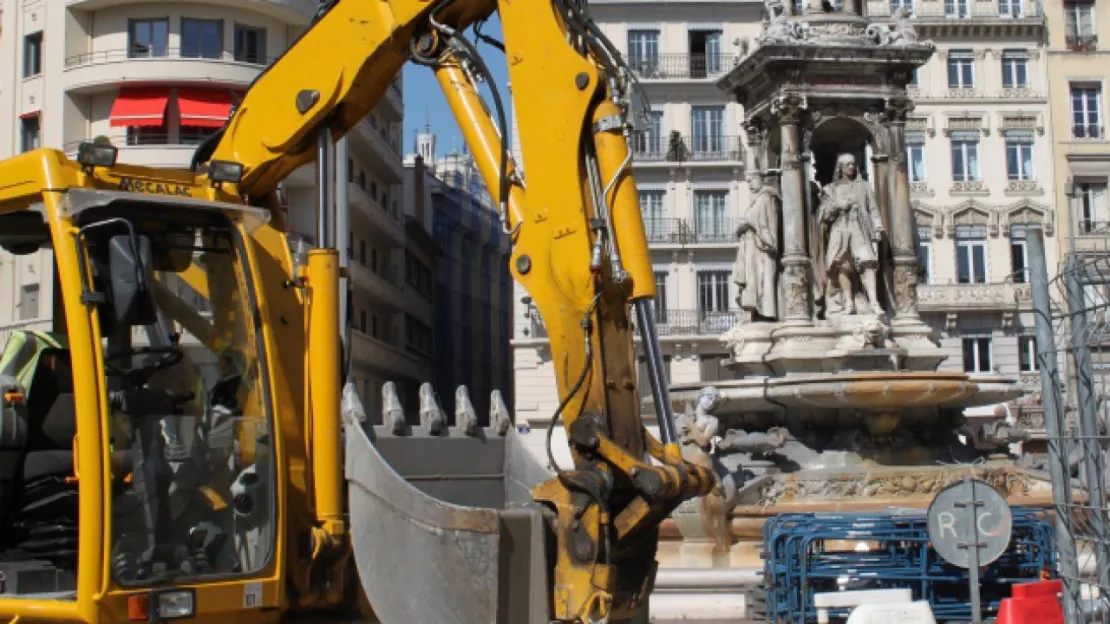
(130, 278)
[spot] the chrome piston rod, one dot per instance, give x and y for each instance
(659, 392)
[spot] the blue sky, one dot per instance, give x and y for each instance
(424, 101)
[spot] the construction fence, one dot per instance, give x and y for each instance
(1072, 318)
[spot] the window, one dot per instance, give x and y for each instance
(374, 326)
(655, 224)
(647, 143)
(29, 136)
(925, 255)
(643, 52)
(1019, 255)
(195, 135)
(1009, 8)
(1015, 69)
(915, 156)
(1079, 24)
(977, 354)
(1019, 155)
(362, 321)
(202, 38)
(971, 254)
(373, 260)
(1086, 111)
(713, 292)
(148, 38)
(956, 8)
(1027, 354)
(32, 55)
(29, 302)
(710, 222)
(362, 252)
(705, 53)
(895, 5)
(915, 78)
(250, 44)
(708, 123)
(350, 171)
(147, 135)
(965, 156)
(961, 69)
(660, 297)
(1092, 206)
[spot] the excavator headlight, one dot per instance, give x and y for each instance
(91, 154)
(225, 171)
(173, 604)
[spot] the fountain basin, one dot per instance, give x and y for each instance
(872, 391)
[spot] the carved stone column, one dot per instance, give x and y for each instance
(795, 259)
(901, 213)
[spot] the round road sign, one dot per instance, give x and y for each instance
(967, 513)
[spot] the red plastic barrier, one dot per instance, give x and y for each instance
(1032, 603)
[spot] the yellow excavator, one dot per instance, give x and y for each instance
(180, 444)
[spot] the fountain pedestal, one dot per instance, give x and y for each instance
(837, 403)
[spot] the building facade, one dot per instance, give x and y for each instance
(1078, 71)
(981, 166)
(156, 79)
(472, 278)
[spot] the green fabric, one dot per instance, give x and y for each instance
(21, 355)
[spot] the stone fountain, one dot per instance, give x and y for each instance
(837, 403)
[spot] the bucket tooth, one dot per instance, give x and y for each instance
(499, 414)
(466, 419)
(431, 416)
(393, 415)
(355, 411)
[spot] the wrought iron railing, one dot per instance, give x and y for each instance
(681, 65)
(685, 148)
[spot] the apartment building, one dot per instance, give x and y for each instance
(980, 157)
(157, 78)
(472, 279)
(1078, 70)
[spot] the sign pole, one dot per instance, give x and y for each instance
(973, 549)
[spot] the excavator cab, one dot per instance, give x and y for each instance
(137, 455)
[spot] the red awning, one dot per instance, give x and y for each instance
(207, 108)
(140, 107)
(30, 115)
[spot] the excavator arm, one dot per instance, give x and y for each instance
(578, 242)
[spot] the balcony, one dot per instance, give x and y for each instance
(694, 322)
(380, 150)
(381, 221)
(297, 12)
(994, 297)
(148, 150)
(382, 288)
(99, 70)
(676, 148)
(682, 66)
(1081, 43)
(392, 362)
(395, 108)
(948, 18)
(670, 231)
(667, 323)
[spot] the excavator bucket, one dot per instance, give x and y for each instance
(443, 524)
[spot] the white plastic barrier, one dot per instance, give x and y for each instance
(875, 606)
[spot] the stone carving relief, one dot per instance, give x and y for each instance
(1027, 212)
(972, 214)
(1010, 482)
(966, 124)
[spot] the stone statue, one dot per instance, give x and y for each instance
(697, 430)
(780, 28)
(899, 32)
(850, 217)
(757, 258)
